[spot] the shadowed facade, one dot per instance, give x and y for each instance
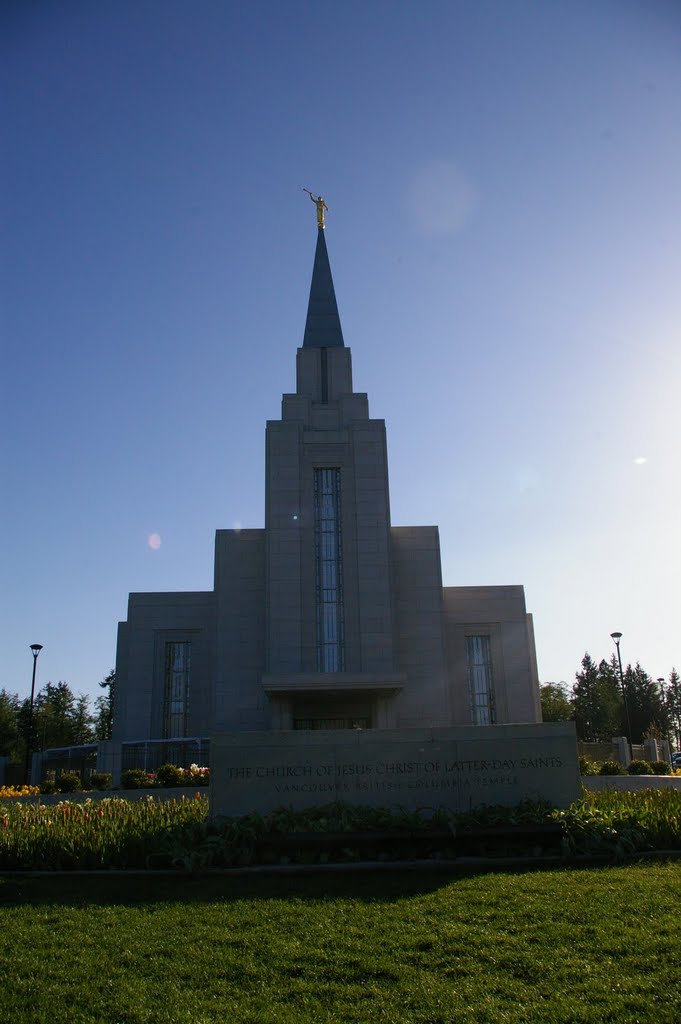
(329, 617)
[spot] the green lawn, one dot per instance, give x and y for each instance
(572, 946)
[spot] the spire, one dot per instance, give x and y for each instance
(322, 327)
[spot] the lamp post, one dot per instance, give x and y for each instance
(617, 637)
(35, 651)
(660, 682)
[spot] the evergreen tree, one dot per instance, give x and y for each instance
(672, 704)
(52, 716)
(60, 719)
(645, 703)
(22, 729)
(596, 701)
(9, 725)
(82, 722)
(105, 707)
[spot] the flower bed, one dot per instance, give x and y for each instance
(154, 833)
(157, 793)
(107, 833)
(165, 776)
(7, 792)
(168, 775)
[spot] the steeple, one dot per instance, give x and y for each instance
(322, 326)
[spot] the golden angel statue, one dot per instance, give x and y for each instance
(321, 206)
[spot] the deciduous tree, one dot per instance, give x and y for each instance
(555, 703)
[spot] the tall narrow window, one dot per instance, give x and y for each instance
(176, 691)
(328, 570)
(480, 682)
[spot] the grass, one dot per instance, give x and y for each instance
(565, 946)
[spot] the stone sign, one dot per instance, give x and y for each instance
(456, 768)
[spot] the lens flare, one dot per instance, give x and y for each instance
(440, 198)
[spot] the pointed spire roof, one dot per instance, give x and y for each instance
(323, 326)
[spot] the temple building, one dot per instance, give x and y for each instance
(330, 616)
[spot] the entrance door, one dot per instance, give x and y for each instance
(332, 712)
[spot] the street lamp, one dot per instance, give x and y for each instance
(617, 637)
(660, 682)
(35, 651)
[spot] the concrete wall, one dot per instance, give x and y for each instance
(630, 783)
(286, 648)
(368, 553)
(455, 768)
(153, 620)
(315, 434)
(238, 701)
(500, 613)
(419, 627)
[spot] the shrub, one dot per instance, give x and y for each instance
(639, 767)
(661, 767)
(170, 775)
(587, 767)
(134, 778)
(100, 780)
(48, 787)
(69, 782)
(611, 768)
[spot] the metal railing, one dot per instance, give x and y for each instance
(148, 755)
(151, 754)
(81, 759)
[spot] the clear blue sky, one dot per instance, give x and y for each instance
(504, 185)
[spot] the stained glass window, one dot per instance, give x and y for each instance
(177, 675)
(480, 682)
(329, 570)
